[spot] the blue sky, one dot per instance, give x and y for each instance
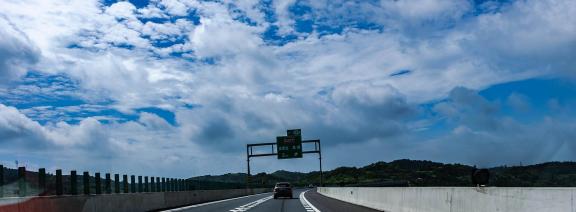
(178, 87)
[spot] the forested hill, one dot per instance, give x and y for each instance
(416, 173)
(396, 173)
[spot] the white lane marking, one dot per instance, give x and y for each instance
(307, 205)
(208, 203)
(251, 205)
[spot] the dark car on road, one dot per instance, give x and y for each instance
(283, 189)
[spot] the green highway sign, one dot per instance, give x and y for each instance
(289, 146)
(295, 132)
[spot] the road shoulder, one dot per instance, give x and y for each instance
(327, 204)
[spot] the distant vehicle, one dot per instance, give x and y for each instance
(283, 189)
(310, 186)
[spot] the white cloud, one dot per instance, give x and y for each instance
(250, 8)
(338, 87)
(423, 10)
(134, 147)
(41, 21)
(508, 142)
(528, 36)
(164, 31)
(284, 20)
(17, 52)
(122, 9)
(175, 7)
(364, 94)
(153, 121)
(519, 102)
(221, 36)
(20, 132)
(151, 11)
(476, 137)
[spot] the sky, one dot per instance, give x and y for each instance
(177, 88)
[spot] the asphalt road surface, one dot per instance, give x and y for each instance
(304, 201)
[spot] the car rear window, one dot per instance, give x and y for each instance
(282, 185)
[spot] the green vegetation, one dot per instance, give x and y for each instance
(415, 173)
(395, 173)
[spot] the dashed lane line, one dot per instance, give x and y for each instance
(307, 205)
(251, 205)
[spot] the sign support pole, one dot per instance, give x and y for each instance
(248, 162)
(320, 159)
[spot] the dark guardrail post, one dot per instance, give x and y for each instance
(158, 185)
(108, 184)
(21, 181)
(152, 185)
(59, 185)
(86, 183)
(139, 183)
(125, 182)
(163, 184)
(73, 188)
(174, 184)
(168, 184)
(133, 185)
(42, 181)
(1, 180)
(98, 183)
(116, 183)
(146, 184)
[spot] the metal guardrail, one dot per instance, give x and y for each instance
(42, 183)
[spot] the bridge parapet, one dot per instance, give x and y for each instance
(148, 201)
(469, 199)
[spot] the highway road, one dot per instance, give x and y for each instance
(304, 200)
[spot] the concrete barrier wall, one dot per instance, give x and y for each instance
(119, 202)
(455, 199)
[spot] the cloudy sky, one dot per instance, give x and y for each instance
(179, 87)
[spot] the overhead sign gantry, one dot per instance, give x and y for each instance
(287, 147)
